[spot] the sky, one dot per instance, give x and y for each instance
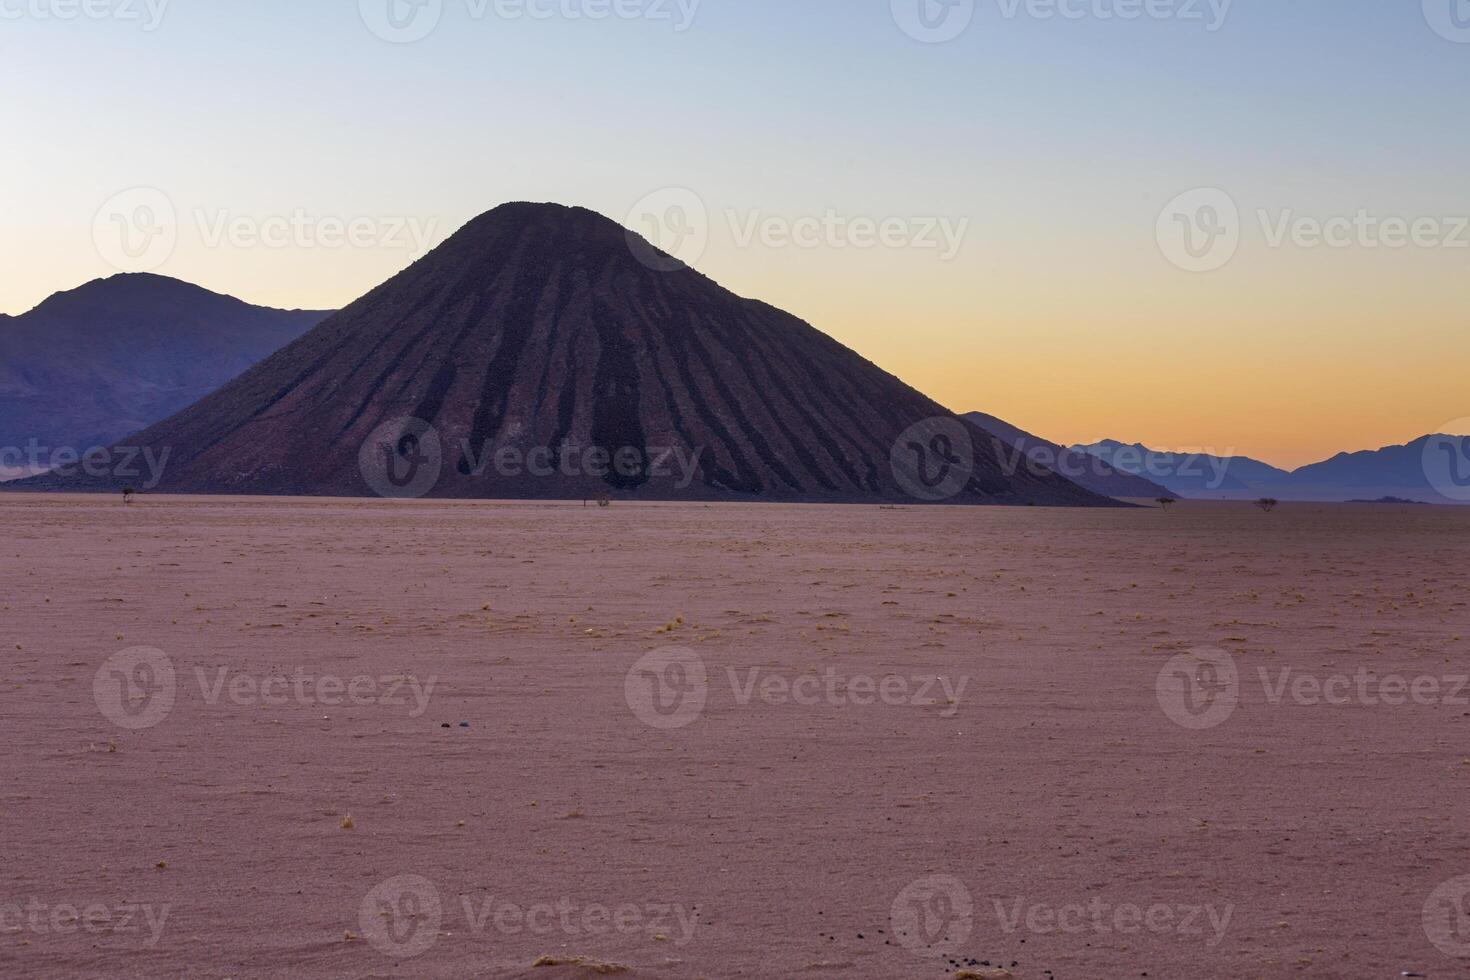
(1197, 224)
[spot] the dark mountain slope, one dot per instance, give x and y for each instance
(97, 363)
(535, 335)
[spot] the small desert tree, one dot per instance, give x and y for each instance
(1166, 502)
(1267, 504)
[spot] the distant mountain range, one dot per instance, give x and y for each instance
(1430, 469)
(1082, 468)
(1187, 474)
(1423, 470)
(92, 365)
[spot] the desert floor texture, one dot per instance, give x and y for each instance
(929, 742)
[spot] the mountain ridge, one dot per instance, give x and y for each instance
(1412, 469)
(1085, 470)
(1192, 474)
(88, 366)
(536, 328)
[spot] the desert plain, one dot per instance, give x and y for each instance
(303, 738)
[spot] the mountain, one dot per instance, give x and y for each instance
(1186, 474)
(92, 365)
(1083, 469)
(1431, 469)
(545, 352)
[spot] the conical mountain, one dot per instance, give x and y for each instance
(545, 352)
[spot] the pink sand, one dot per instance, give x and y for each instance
(784, 832)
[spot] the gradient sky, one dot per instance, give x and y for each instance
(1059, 139)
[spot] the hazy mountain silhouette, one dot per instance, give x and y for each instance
(1389, 466)
(546, 329)
(1430, 469)
(94, 364)
(1393, 471)
(1081, 468)
(1186, 474)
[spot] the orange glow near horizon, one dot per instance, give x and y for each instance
(1287, 363)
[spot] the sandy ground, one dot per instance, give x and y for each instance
(1087, 805)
